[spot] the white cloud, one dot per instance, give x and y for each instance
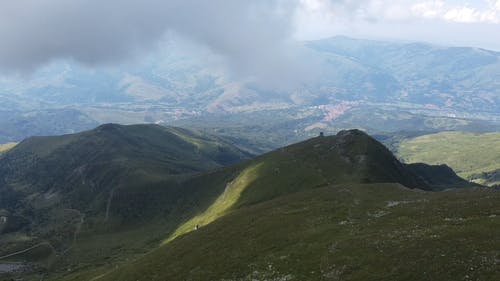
(463, 13)
(486, 11)
(450, 22)
(428, 9)
(493, 4)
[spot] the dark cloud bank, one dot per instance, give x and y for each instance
(254, 37)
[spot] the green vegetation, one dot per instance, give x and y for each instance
(355, 158)
(88, 197)
(223, 203)
(320, 209)
(472, 155)
(6, 147)
(342, 232)
(351, 158)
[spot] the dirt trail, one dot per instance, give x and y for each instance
(26, 250)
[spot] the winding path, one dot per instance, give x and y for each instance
(26, 250)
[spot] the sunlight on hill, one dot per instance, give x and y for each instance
(342, 232)
(6, 146)
(223, 203)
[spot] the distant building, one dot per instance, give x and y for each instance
(321, 134)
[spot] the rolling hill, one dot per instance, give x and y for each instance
(282, 215)
(475, 156)
(109, 180)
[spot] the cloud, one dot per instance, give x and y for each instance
(428, 9)
(454, 22)
(463, 13)
(253, 37)
(403, 10)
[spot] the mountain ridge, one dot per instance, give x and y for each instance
(107, 180)
(145, 185)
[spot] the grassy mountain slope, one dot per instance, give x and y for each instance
(107, 157)
(340, 232)
(349, 157)
(81, 197)
(475, 156)
(252, 198)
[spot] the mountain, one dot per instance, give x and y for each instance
(350, 157)
(398, 85)
(328, 208)
(92, 161)
(112, 177)
(445, 77)
(89, 202)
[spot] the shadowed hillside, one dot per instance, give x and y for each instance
(55, 190)
(81, 166)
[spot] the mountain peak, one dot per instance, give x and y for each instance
(84, 168)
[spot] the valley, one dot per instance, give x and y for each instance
(377, 86)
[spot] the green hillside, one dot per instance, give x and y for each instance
(473, 156)
(88, 197)
(339, 232)
(317, 209)
(349, 157)
(82, 167)
(351, 160)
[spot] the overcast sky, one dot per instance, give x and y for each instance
(252, 36)
(454, 22)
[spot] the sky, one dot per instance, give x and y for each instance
(252, 37)
(456, 23)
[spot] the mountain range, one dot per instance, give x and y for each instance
(146, 202)
(405, 85)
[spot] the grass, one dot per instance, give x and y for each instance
(342, 232)
(469, 154)
(6, 147)
(306, 165)
(267, 218)
(92, 195)
(222, 204)
(279, 215)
